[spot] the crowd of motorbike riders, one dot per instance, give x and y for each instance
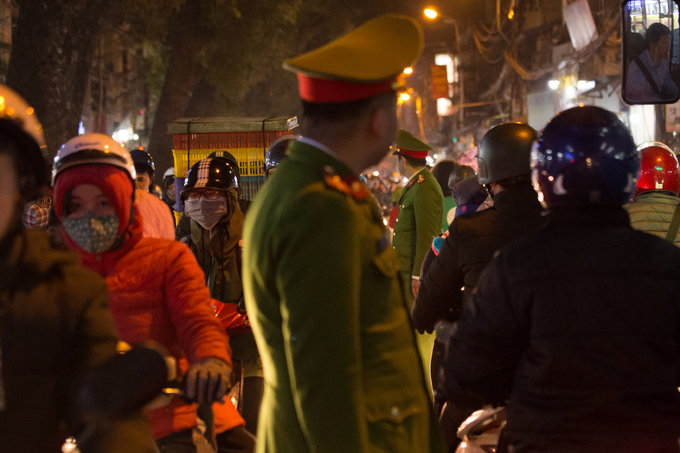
(177, 293)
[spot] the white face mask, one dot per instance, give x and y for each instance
(206, 212)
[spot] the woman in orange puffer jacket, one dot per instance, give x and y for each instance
(156, 289)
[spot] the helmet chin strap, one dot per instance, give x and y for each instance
(489, 190)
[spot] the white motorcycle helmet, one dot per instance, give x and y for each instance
(14, 108)
(19, 124)
(92, 148)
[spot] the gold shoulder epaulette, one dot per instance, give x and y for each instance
(349, 185)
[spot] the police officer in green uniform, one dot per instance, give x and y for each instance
(421, 207)
(421, 212)
(321, 279)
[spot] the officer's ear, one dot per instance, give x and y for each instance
(382, 125)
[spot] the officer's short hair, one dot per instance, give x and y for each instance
(657, 31)
(414, 161)
(341, 111)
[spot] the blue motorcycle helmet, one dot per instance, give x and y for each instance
(585, 157)
(276, 153)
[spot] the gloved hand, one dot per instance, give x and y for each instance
(207, 381)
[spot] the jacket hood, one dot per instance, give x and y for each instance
(113, 182)
(469, 191)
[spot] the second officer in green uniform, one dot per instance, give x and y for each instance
(421, 212)
(421, 208)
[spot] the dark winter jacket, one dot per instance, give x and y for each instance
(219, 254)
(473, 238)
(183, 229)
(579, 326)
(54, 325)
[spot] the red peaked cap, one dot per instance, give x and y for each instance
(113, 181)
(411, 153)
(323, 91)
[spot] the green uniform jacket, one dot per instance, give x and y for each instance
(321, 282)
(421, 213)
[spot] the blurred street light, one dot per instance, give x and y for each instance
(408, 71)
(430, 13)
(433, 14)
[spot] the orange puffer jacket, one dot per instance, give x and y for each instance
(157, 292)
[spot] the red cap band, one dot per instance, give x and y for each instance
(414, 154)
(322, 91)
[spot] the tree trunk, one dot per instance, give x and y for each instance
(204, 99)
(187, 39)
(52, 50)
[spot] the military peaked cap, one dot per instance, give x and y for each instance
(408, 145)
(361, 64)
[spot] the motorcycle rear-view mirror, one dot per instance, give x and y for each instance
(651, 51)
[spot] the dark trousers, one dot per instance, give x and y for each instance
(253, 388)
(236, 440)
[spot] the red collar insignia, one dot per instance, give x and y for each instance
(349, 185)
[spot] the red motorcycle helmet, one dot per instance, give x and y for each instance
(658, 168)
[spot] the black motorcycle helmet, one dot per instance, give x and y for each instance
(505, 152)
(230, 157)
(143, 162)
(460, 173)
(277, 152)
(441, 173)
(586, 156)
(211, 173)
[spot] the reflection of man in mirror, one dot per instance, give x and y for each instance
(648, 78)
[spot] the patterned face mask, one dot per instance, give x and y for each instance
(92, 234)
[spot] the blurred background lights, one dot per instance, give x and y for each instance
(431, 13)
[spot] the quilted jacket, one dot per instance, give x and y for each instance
(652, 212)
(156, 292)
